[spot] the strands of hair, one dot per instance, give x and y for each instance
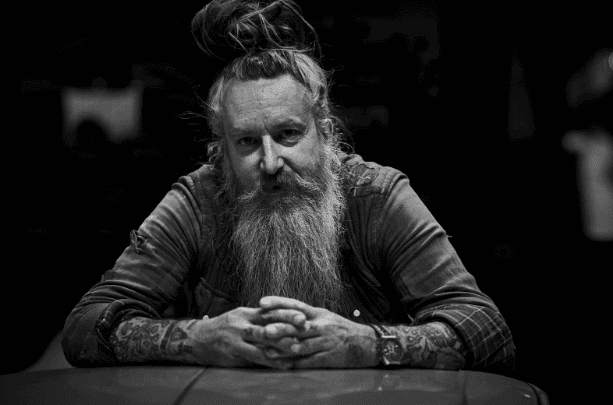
(263, 40)
(227, 29)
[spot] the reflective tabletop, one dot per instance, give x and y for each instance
(197, 385)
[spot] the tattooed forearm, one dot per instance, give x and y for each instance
(432, 345)
(355, 356)
(144, 339)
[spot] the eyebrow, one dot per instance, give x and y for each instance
(292, 120)
(285, 121)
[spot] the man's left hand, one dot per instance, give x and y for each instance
(325, 340)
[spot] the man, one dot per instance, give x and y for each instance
(286, 252)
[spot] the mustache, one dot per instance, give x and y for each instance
(285, 181)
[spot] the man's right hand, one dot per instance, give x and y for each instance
(238, 338)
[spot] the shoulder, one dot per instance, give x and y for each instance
(198, 189)
(364, 178)
(201, 182)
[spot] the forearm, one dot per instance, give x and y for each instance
(431, 345)
(142, 339)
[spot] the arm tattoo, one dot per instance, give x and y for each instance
(432, 345)
(143, 339)
(355, 355)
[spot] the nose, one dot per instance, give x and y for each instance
(270, 162)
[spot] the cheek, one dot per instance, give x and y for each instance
(245, 169)
(310, 154)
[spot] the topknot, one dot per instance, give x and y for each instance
(228, 29)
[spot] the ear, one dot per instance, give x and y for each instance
(215, 150)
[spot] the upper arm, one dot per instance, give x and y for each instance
(432, 281)
(156, 264)
(416, 253)
(147, 280)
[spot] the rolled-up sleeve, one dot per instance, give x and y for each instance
(484, 332)
(432, 282)
(147, 280)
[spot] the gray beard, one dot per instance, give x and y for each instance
(289, 244)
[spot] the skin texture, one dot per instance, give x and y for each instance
(283, 333)
(327, 340)
(142, 339)
(433, 345)
(234, 339)
(269, 126)
(331, 341)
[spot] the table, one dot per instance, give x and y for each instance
(199, 385)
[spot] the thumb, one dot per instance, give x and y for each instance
(274, 302)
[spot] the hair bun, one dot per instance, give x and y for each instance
(227, 29)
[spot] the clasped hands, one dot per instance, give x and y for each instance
(285, 333)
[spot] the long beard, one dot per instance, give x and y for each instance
(289, 244)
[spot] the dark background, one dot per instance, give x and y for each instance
(468, 101)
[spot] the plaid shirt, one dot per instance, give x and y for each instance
(397, 260)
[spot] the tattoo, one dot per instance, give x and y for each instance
(355, 355)
(249, 333)
(432, 345)
(142, 339)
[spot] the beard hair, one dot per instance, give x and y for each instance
(288, 244)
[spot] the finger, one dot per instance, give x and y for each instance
(282, 337)
(274, 331)
(307, 347)
(254, 334)
(293, 346)
(281, 351)
(317, 360)
(256, 355)
(274, 302)
(291, 316)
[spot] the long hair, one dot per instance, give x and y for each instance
(263, 40)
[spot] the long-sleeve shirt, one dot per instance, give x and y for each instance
(396, 258)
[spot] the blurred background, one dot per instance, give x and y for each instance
(500, 116)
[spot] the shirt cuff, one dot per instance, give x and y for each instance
(484, 332)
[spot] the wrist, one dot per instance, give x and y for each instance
(389, 349)
(370, 347)
(197, 345)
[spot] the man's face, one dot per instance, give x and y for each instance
(269, 129)
(282, 187)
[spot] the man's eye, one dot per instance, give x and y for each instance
(289, 134)
(247, 141)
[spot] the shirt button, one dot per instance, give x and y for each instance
(356, 313)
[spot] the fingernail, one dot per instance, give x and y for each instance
(305, 326)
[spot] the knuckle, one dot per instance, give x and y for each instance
(286, 342)
(249, 332)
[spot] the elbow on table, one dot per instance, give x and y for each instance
(83, 345)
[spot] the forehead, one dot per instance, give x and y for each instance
(264, 101)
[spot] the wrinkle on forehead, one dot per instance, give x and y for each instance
(282, 82)
(273, 99)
